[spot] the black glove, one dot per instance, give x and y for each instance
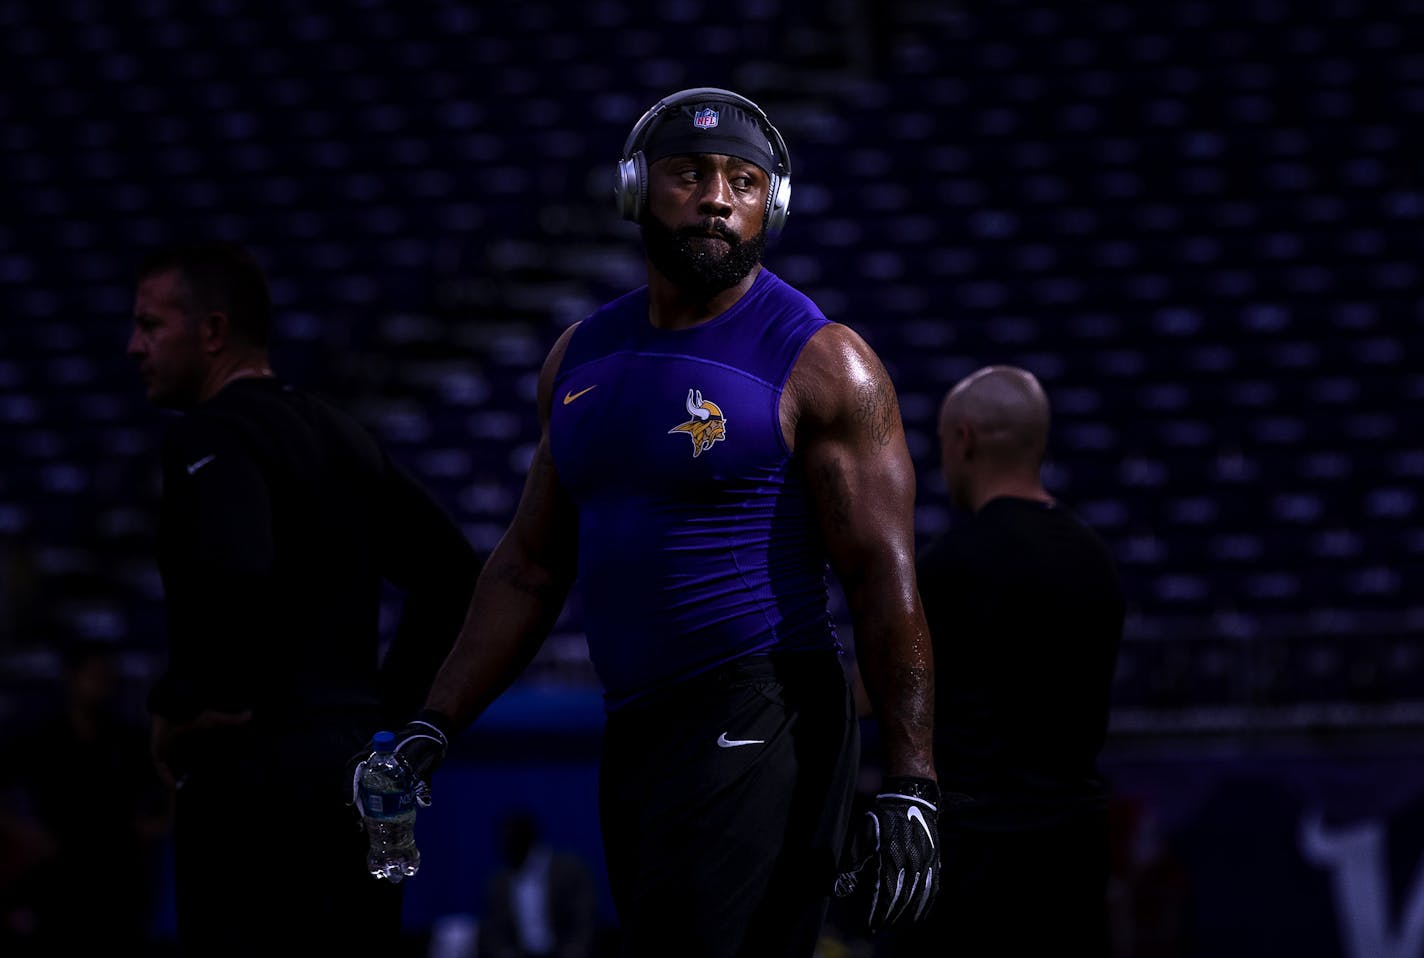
(892, 869)
(421, 743)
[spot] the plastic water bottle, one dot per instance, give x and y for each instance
(388, 808)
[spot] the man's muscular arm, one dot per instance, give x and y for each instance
(851, 443)
(843, 417)
(522, 587)
(517, 598)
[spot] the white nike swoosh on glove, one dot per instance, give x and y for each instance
(916, 815)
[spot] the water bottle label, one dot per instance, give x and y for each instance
(387, 804)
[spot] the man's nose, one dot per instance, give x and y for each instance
(716, 195)
(135, 346)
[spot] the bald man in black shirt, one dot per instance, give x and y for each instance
(281, 520)
(1026, 614)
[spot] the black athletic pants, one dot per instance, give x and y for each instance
(724, 804)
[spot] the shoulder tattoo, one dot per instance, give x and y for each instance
(877, 410)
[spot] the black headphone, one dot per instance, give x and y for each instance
(630, 187)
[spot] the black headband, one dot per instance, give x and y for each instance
(711, 126)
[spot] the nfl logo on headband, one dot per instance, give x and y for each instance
(705, 119)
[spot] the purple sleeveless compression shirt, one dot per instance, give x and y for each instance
(697, 543)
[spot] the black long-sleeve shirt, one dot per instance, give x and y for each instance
(281, 518)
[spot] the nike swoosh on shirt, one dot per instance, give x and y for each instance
(724, 742)
(195, 466)
(571, 396)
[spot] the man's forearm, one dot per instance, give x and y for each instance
(898, 672)
(514, 607)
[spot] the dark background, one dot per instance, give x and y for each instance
(1197, 222)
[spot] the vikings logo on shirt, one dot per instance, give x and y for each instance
(706, 426)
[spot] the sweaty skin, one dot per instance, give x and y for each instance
(840, 417)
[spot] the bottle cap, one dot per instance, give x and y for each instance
(383, 741)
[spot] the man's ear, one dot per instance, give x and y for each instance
(968, 439)
(213, 331)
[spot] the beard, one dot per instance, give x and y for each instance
(689, 259)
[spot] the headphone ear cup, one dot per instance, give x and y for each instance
(778, 203)
(631, 187)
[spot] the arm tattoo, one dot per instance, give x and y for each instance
(511, 575)
(876, 410)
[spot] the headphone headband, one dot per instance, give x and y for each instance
(634, 142)
(630, 188)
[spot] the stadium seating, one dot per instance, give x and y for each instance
(1196, 222)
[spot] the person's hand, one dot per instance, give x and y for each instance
(892, 868)
(420, 743)
(171, 741)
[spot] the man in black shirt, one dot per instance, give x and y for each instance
(1026, 614)
(281, 519)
